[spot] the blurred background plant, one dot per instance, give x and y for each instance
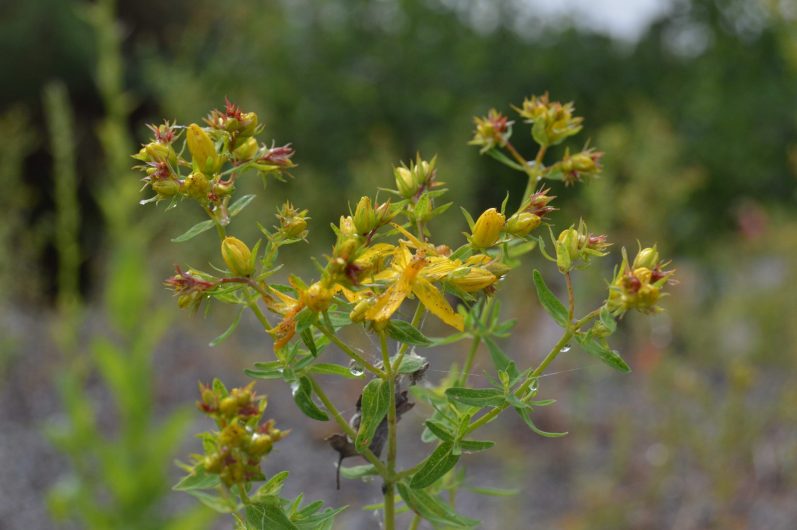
(695, 109)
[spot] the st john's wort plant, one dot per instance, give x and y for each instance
(385, 256)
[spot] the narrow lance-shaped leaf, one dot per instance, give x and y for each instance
(550, 302)
(594, 347)
(478, 397)
(374, 405)
(441, 461)
(500, 359)
(303, 396)
(237, 206)
(432, 508)
(194, 231)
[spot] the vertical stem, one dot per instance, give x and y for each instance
(415, 522)
(343, 424)
(571, 299)
(390, 495)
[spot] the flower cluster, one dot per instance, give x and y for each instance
(235, 450)
(639, 286)
(220, 152)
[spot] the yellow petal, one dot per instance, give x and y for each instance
(439, 267)
(437, 304)
(389, 301)
(414, 241)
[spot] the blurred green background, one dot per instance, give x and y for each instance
(693, 101)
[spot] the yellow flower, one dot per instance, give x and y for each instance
(237, 256)
(406, 275)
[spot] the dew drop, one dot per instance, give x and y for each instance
(356, 368)
(565, 349)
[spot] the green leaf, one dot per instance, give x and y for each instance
(198, 480)
(478, 397)
(475, 446)
(268, 370)
(608, 320)
(501, 360)
(432, 508)
(411, 363)
(550, 302)
(524, 413)
(194, 231)
(594, 347)
(355, 472)
(374, 405)
(440, 430)
(221, 338)
(441, 461)
(268, 514)
(303, 396)
(237, 206)
(307, 337)
(407, 333)
(212, 501)
(333, 369)
(495, 492)
(272, 487)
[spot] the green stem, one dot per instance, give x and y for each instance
(468, 366)
(260, 316)
(343, 424)
(350, 352)
(420, 311)
(571, 298)
(549, 358)
(392, 421)
(416, 521)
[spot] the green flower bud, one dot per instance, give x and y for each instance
(246, 151)
(158, 152)
(237, 256)
(248, 123)
(166, 188)
(487, 229)
(647, 257)
(567, 249)
(522, 223)
(405, 182)
(364, 216)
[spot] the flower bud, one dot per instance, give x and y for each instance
(567, 249)
(197, 187)
(405, 182)
(364, 216)
(358, 313)
(203, 152)
(475, 279)
(158, 152)
(317, 297)
(248, 123)
(647, 257)
(487, 229)
(166, 188)
(247, 150)
(237, 256)
(522, 223)
(293, 222)
(347, 227)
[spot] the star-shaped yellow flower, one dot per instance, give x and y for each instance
(406, 273)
